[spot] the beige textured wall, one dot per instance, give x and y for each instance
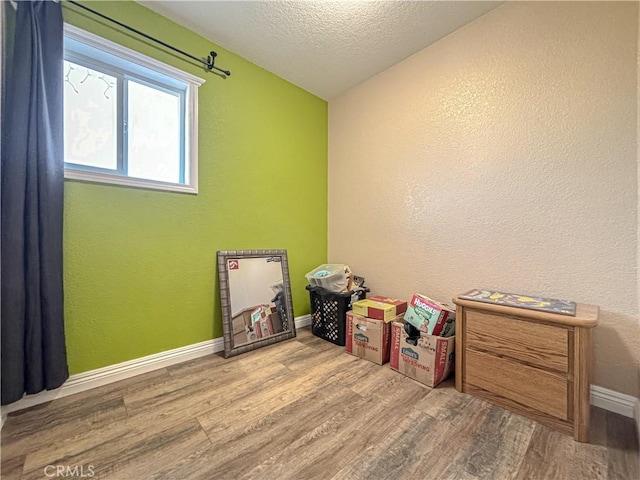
(503, 156)
(638, 167)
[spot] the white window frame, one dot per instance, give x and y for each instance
(191, 118)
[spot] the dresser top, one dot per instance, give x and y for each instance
(586, 315)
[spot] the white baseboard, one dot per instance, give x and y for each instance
(120, 371)
(303, 321)
(616, 402)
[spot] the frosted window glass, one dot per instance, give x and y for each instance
(153, 133)
(90, 117)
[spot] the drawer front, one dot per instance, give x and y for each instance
(543, 391)
(534, 343)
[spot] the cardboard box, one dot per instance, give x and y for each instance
(428, 362)
(241, 320)
(240, 338)
(430, 316)
(251, 336)
(380, 308)
(266, 332)
(238, 325)
(276, 322)
(368, 338)
(373, 309)
(401, 305)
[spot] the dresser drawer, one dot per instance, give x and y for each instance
(534, 343)
(543, 391)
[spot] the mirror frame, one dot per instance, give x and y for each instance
(230, 349)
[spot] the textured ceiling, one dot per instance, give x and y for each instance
(325, 47)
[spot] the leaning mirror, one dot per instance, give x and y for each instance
(255, 295)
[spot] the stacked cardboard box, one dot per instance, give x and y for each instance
(379, 307)
(430, 316)
(422, 346)
(369, 327)
(427, 358)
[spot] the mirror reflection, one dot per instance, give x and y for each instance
(256, 293)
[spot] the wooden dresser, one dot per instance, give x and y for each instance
(533, 363)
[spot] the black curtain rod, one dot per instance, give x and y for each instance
(209, 63)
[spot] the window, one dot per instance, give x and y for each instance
(128, 119)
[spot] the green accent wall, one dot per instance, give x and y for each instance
(140, 265)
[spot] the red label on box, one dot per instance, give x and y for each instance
(439, 370)
(401, 305)
(386, 333)
(269, 324)
(257, 329)
(395, 347)
(349, 337)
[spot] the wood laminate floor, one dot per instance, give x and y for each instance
(301, 409)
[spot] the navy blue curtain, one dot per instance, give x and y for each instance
(33, 344)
